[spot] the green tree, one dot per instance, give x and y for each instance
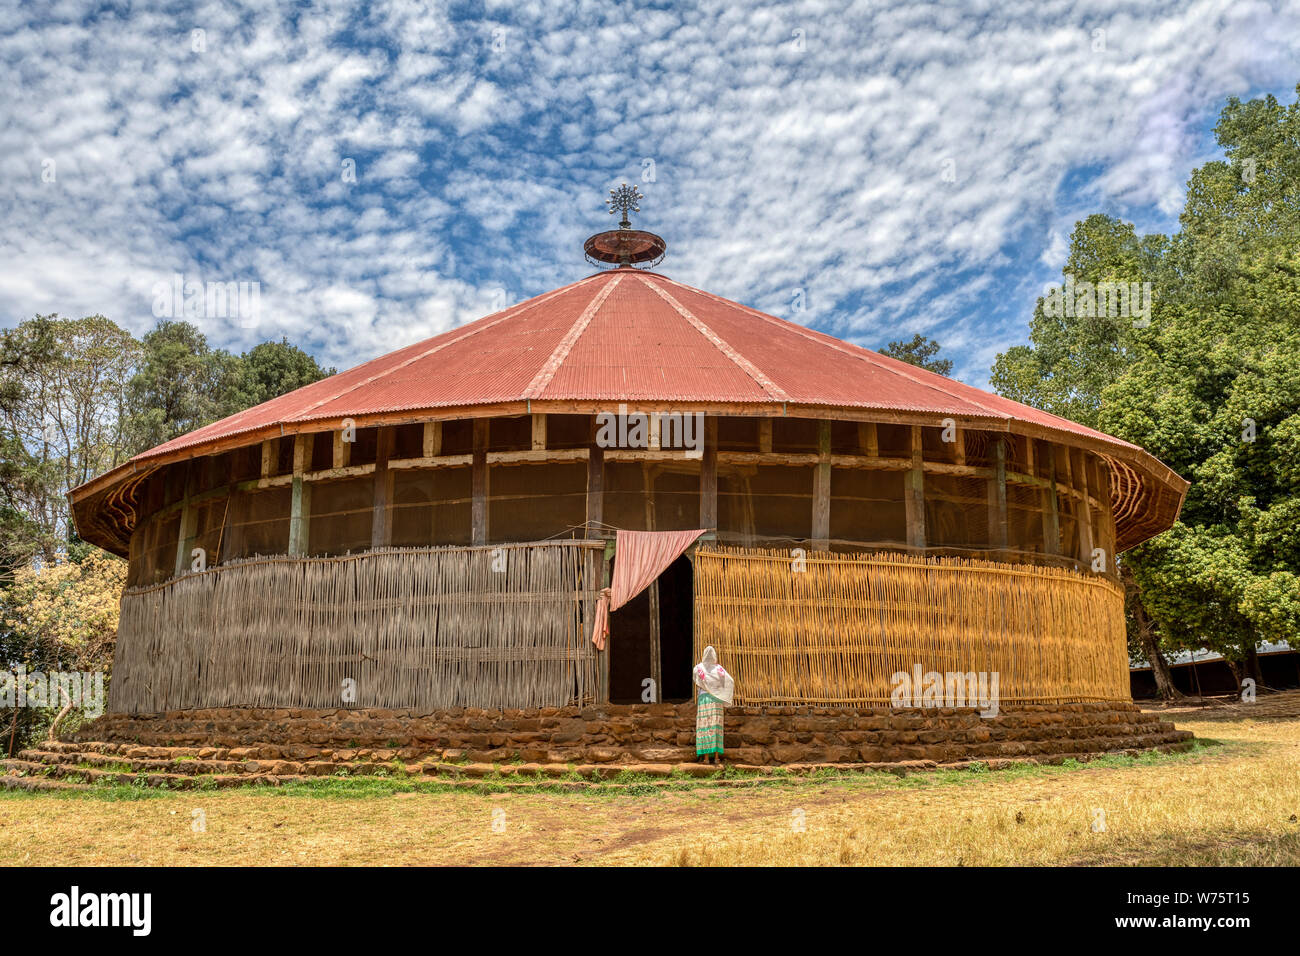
(1210, 387)
(178, 385)
(62, 390)
(919, 351)
(266, 371)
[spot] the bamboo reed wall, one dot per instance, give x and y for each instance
(419, 628)
(836, 632)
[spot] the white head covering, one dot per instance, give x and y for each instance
(710, 676)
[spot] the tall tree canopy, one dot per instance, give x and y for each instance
(1209, 385)
(919, 351)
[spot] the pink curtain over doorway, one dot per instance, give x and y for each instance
(641, 556)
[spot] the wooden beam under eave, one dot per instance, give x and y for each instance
(539, 432)
(709, 475)
(821, 507)
(914, 494)
(381, 525)
(479, 484)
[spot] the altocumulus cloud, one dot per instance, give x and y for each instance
(389, 170)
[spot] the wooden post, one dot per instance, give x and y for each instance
(606, 557)
(189, 518)
(656, 665)
(596, 491)
(432, 439)
(998, 497)
(1079, 474)
(709, 476)
(765, 435)
(300, 505)
(343, 449)
(1051, 517)
(914, 494)
(539, 432)
(381, 525)
(821, 507)
(479, 478)
(270, 455)
(868, 440)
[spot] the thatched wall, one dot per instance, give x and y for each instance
(504, 626)
(837, 631)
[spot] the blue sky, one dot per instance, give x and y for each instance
(910, 167)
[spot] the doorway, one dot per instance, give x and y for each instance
(651, 638)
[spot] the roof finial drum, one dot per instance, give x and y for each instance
(625, 245)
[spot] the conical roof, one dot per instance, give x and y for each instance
(628, 335)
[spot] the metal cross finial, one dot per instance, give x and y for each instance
(624, 199)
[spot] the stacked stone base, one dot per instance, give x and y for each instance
(646, 734)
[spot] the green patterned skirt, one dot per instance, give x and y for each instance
(708, 724)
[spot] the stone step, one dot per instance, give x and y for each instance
(245, 741)
(64, 773)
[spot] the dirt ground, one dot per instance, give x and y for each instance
(1233, 801)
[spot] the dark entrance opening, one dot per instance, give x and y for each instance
(634, 629)
(677, 629)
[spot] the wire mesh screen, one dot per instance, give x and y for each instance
(765, 502)
(209, 519)
(1025, 519)
(836, 629)
(867, 506)
(432, 506)
(426, 628)
(153, 549)
(259, 522)
(956, 511)
(652, 496)
(342, 515)
(533, 502)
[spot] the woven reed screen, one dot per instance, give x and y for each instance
(418, 628)
(836, 632)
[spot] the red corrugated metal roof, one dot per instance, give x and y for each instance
(626, 335)
(630, 336)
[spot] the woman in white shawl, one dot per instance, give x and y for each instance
(717, 688)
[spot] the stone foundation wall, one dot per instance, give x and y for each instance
(659, 733)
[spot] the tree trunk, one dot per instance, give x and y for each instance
(1165, 688)
(1252, 665)
(1237, 673)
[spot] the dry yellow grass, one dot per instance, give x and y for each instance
(1231, 804)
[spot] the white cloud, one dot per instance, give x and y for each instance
(483, 148)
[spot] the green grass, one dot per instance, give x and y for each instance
(386, 781)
